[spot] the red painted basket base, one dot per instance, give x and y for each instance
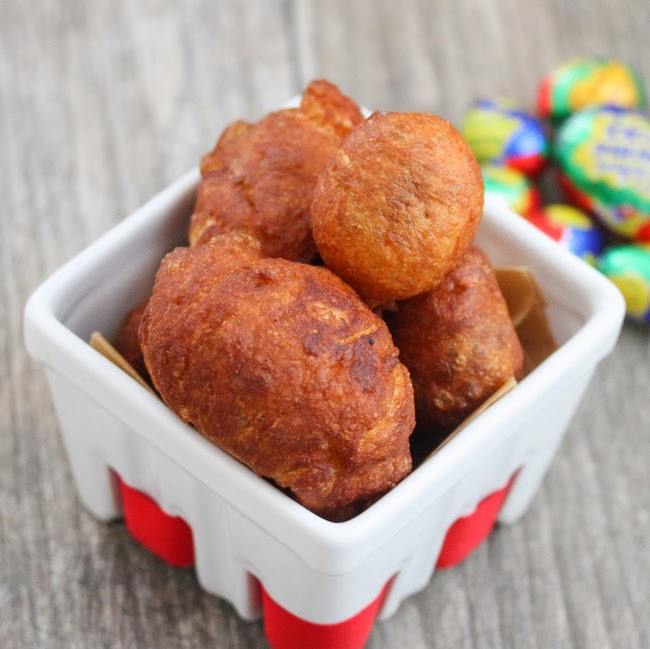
(168, 537)
(287, 631)
(468, 532)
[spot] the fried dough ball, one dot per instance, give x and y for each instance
(282, 366)
(458, 343)
(398, 205)
(260, 177)
(127, 342)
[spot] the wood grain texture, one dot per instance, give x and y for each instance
(101, 105)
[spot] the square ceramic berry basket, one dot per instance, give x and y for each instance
(316, 583)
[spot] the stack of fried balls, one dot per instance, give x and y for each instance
(331, 296)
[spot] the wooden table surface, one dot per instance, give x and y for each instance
(104, 103)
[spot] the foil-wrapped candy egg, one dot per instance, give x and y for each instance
(500, 132)
(604, 160)
(628, 266)
(584, 83)
(511, 187)
(571, 228)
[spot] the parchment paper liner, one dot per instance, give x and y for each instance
(100, 344)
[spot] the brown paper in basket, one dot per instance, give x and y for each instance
(527, 311)
(526, 307)
(100, 344)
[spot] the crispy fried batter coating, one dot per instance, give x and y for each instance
(458, 343)
(217, 158)
(260, 177)
(265, 184)
(281, 365)
(325, 105)
(398, 205)
(127, 342)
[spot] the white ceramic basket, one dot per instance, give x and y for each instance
(246, 531)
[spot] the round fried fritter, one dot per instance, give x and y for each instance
(260, 177)
(398, 205)
(126, 341)
(282, 366)
(458, 343)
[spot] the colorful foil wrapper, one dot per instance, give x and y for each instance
(584, 83)
(604, 156)
(571, 228)
(501, 133)
(512, 187)
(628, 266)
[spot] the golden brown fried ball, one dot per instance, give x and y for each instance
(127, 342)
(458, 343)
(281, 365)
(398, 205)
(260, 177)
